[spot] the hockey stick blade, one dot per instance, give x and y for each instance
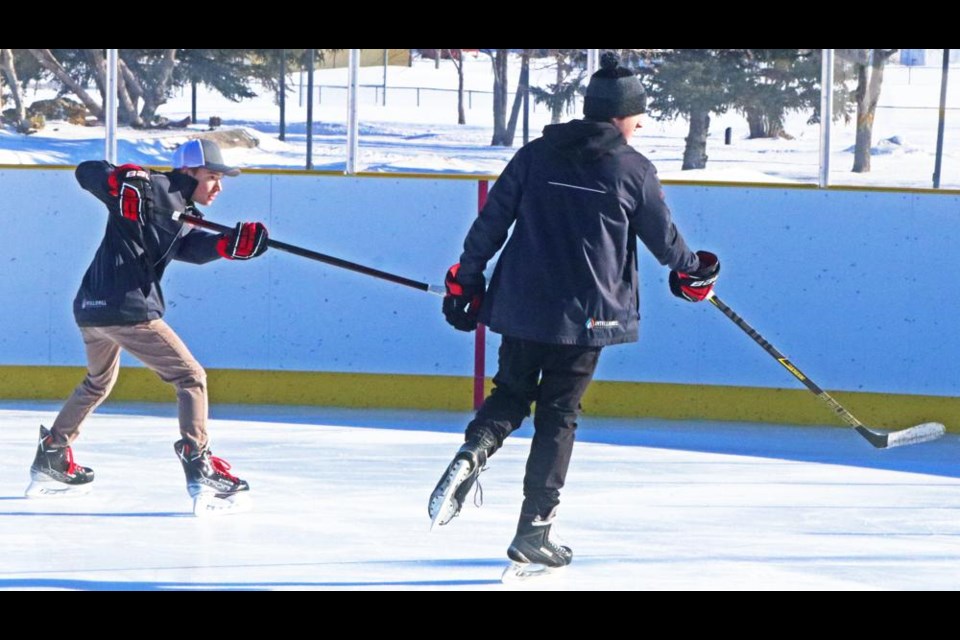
(913, 435)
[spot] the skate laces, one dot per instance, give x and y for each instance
(478, 489)
(71, 465)
(46, 444)
(222, 467)
(555, 540)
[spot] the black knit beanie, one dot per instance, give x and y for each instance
(613, 92)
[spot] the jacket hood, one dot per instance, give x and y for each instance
(583, 139)
(183, 184)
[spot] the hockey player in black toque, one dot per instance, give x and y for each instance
(565, 286)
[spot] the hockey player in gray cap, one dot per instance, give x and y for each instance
(120, 306)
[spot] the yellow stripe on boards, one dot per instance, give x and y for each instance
(453, 393)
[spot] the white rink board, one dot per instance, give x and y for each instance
(850, 284)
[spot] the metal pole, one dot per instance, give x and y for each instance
(111, 111)
(353, 63)
(525, 75)
(385, 77)
(826, 115)
(283, 94)
(943, 112)
(310, 54)
(593, 59)
(193, 100)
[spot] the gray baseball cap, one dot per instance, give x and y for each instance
(201, 152)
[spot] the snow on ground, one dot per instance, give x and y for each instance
(340, 504)
(416, 131)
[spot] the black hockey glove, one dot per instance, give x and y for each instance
(461, 305)
(697, 285)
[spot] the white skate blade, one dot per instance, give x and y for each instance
(207, 505)
(45, 487)
(527, 571)
(443, 510)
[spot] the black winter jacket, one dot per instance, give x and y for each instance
(122, 284)
(577, 199)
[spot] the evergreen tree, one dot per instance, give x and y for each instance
(774, 83)
(693, 83)
(560, 96)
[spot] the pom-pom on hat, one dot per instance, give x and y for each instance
(614, 91)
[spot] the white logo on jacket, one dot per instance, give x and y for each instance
(593, 323)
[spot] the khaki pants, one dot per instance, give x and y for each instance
(156, 345)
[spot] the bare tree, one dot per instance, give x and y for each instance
(155, 75)
(128, 110)
(868, 66)
(9, 73)
(456, 57)
(49, 62)
(523, 86)
(498, 57)
(130, 84)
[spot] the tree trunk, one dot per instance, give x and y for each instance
(499, 60)
(456, 56)
(695, 151)
(756, 122)
(9, 72)
(50, 63)
(556, 109)
(522, 88)
(156, 91)
(763, 124)
(869, 81)
(461, 114)
(99, 66)
(128, 112)
(128, 106)
(130, 84)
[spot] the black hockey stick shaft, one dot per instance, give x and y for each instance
(876, 439)
(314, 255)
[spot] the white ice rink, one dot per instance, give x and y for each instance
(340, 503)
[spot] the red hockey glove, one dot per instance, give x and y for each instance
(697, 285)
(130, 184)
(248, 240)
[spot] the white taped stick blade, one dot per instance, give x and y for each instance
(919, 433)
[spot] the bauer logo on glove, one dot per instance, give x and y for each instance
(696, 285)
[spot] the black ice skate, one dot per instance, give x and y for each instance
(215, 491)
(533, 551)
(54, 473)
(448, 496)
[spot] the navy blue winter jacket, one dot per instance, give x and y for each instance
(577, 199)
(122, 284)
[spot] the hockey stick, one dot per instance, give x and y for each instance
(912, 435)
(313, 255)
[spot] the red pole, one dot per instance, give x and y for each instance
(479, 340)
